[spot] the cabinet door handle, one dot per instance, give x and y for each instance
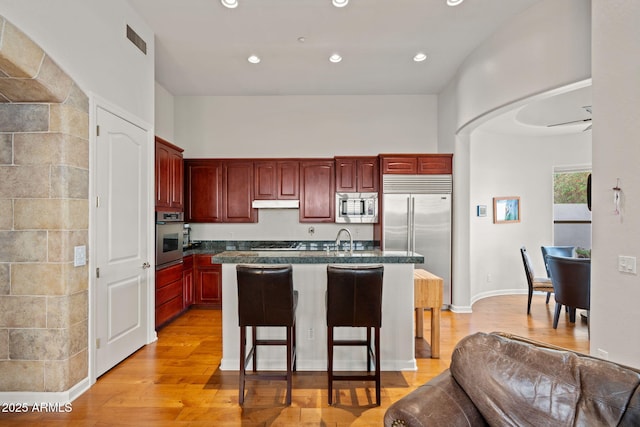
(146, 265)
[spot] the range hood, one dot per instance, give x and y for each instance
(275, 204)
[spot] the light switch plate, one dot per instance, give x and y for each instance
(79, 256)
(627, 264)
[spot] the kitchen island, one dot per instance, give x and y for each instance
(310, 280)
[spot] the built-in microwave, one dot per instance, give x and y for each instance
(357, 207)
(169, 236)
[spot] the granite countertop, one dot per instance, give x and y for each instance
(212, 247)
(317, 257)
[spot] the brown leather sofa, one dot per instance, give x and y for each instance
(504, 380)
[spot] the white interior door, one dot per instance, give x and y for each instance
(122, 253)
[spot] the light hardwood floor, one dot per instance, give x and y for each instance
(176, 381)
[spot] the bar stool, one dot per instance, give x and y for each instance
(354, 298)
(266, 298)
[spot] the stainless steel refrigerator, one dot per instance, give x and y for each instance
(416, 216)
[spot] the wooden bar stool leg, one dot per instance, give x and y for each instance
(330, 363)
(289, 362)
(377, 357)
(368, 349)
(295, 358)
(254, 338)
(243, 344)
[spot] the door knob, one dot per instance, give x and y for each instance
(146, 265)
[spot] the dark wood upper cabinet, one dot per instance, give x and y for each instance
(412, 164)
(317, 191)
(346, 175)
(169, 171)
(276, 180)
(238, 192)
(203, 184)
(222, 190)
(435, 164)
(177, 186)
(357, 174)
(368, 175)
(163, 175)
(219, 191)
(265, 180)
(288, 179)
(400, 165)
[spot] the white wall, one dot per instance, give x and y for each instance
(300, 126)
(483, 89)
(164, 113)
(87, 39)
(278, 224)
(305, 126)
(615, 296)
(506, 165)
(545, 48)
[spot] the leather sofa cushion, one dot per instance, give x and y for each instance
(440, 402)
(514, 383)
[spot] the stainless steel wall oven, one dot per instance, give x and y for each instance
(169, 236)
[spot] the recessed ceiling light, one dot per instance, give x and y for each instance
(231, 4)
(254, 59)
(335, 58)
(454, 2)
(419, 57)
(340, 3)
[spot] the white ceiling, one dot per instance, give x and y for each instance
(202, 47)
(560, 114)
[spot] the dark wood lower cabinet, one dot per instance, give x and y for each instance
(208, 282)
(195, 282)
(187, 282)
(169, 302)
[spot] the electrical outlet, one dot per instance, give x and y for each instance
(79, 256)
(310, 334)
(627, 264)
(488, 278)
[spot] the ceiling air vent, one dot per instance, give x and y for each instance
(136, 40)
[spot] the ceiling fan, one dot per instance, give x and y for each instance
(587, 108)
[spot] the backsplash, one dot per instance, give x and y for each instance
(44, 213)
(278, 224)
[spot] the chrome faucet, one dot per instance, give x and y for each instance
(350, 240)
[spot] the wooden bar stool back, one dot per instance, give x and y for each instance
(354, 299)
(266, 298)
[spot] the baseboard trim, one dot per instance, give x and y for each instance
(483, 295)
(496, 293)
(460, 308)
(321, 365)
(50, 399)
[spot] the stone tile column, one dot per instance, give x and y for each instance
(44, 214)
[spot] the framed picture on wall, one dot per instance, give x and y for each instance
(506, 209)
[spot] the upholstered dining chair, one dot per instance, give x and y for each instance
(542, 284)
(566, 251)
(571, 279)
